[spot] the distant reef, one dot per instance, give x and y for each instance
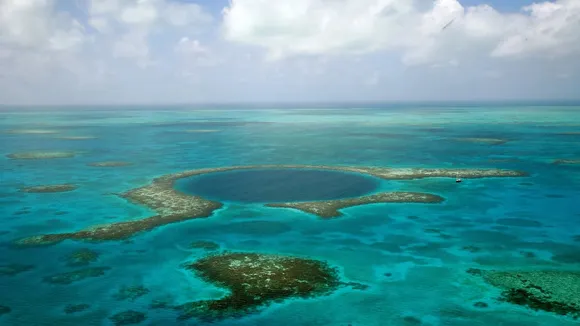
(77, 137)
(110, 164)
(30, 131)
(49, 188)
(479, 140)
(567, 161)
(40, 155)
(173, 206)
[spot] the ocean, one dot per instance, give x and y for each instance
(491, 250)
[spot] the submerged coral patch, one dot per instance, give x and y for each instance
(205, 245)
(49, 188)
(75, 308)
(81, 257)
(31, 131)
(110, 164)
(75, 276)
(40, 155)
(481, 140)
(128, 317)
(173, 206)
(14, 269)
(255, 280)
(202, 130)
(567, 161)
(4, 310)
(552, 291)
(131, 293)
(77, 137)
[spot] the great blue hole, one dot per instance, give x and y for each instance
(277, 185)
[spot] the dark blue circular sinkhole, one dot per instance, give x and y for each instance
(277, 185)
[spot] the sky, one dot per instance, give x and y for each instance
(215, 51)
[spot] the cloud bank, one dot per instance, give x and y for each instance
(100, 51)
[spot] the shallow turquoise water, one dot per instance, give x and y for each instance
(504, 217)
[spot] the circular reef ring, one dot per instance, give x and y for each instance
(173, 206)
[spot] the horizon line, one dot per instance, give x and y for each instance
(298, 104)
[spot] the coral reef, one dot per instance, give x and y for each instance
(173, 206)
(202, 130)
(4, 310)
(74, 308)
(110, 164)
(255, 280)
(14, 269)
(471, 248)
(131, 293)
(554, 291)
(30, 131)
(480, 304)
(40, 155)
(567, 161)
(75, 276)
(205, 245)
(488, 141)
(161, 303)
(77, 137)
(81, 257)
(128, 317)
(330, 208)
(49, 188)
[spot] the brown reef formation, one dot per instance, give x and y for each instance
(81, 257)
(4, 310)
(256, 280)
(567, 161)
(40, 155)
(173, 206)
(331, 208)
(49, 188)
(488, 141)
(14, 269)
(76, 275)
(554, 291)
(110, 164)
(30, 131)
(77, 137)
(128, 317)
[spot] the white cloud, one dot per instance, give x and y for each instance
(414, 27)
(373, 79)
(141, 50)
(552, 29)
(36, 25)
(194, 54)
(132, 22)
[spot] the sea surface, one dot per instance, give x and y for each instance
(413, 257)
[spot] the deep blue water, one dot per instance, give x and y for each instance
(505, 218)
(278, 185)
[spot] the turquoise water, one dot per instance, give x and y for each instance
(427, 284)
